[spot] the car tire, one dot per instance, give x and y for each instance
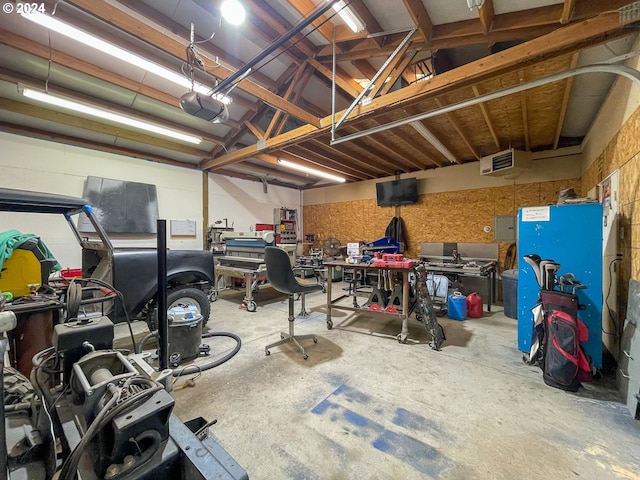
(185, 297)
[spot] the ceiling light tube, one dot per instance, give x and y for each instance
(431, 138)
(310, 171)
(349, 17)
(119, 53)
(108, 115)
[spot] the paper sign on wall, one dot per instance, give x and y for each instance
(536, 214)
(183, 228)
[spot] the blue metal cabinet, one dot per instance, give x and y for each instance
(571, 235)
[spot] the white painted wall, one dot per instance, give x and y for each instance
(40, 165)
(244, 203)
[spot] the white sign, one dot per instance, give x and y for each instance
(535, 214)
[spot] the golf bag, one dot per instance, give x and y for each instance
(565, 365)
(558, 332)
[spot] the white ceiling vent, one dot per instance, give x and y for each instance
(508, 162)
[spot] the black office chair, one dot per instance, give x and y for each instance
(281, 277)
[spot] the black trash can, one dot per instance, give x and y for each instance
(510, 293)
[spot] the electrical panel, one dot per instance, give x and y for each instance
(285, 224)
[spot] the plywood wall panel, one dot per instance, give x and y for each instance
(458, 216)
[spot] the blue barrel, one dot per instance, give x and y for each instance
(457, 306)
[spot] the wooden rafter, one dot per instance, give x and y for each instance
(398, 70)
(302, 84)
(419, 16)
(358, 162)
(567, 10)
(320, 162)
(487, 118)
(525, 113)
(569, 39)
(521, 25)
(409, 145)
(565, 101)
(456, 126)
(486, 14)
(260, 135)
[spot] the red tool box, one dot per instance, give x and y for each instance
(394, 260)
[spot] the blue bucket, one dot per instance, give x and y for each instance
(457, 306)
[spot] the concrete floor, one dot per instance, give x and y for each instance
(364, 406)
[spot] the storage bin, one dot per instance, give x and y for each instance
(510, 293)
(457, 306)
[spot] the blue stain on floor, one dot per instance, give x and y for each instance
(351, 394)
(423, 457)
(405, 418)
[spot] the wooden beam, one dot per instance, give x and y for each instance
(121, 20)
(302, 84)
(456, 126)
(571, 38)
(287, 96)
(359, 163)
(324, 165)
(525, 113)
(487, 118)
(398, 71)
(521, 25)
(350, 86)
(381, 151)
(567, 10)
(326, 159)
(260, 135)
(565, 101)
(409, 144)
(385, 74)
(486, 14)
(419, 16)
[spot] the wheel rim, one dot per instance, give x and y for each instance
(184, 302)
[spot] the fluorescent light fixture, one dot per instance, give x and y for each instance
(474, 4)
(119, 53)
(349, 17)
(108, 115)
(431, 138)
(310, 171)
(232, 12)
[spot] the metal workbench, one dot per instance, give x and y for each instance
(342, 302)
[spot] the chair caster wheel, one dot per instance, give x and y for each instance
(329, 325)
(315, 340)
(305, 356)
(251, 306)
(267, 353)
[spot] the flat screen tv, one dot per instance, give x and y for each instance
(397, 192)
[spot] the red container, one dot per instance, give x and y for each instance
(474, 306)
(71, 273)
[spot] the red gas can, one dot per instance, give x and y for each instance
(474, 305)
